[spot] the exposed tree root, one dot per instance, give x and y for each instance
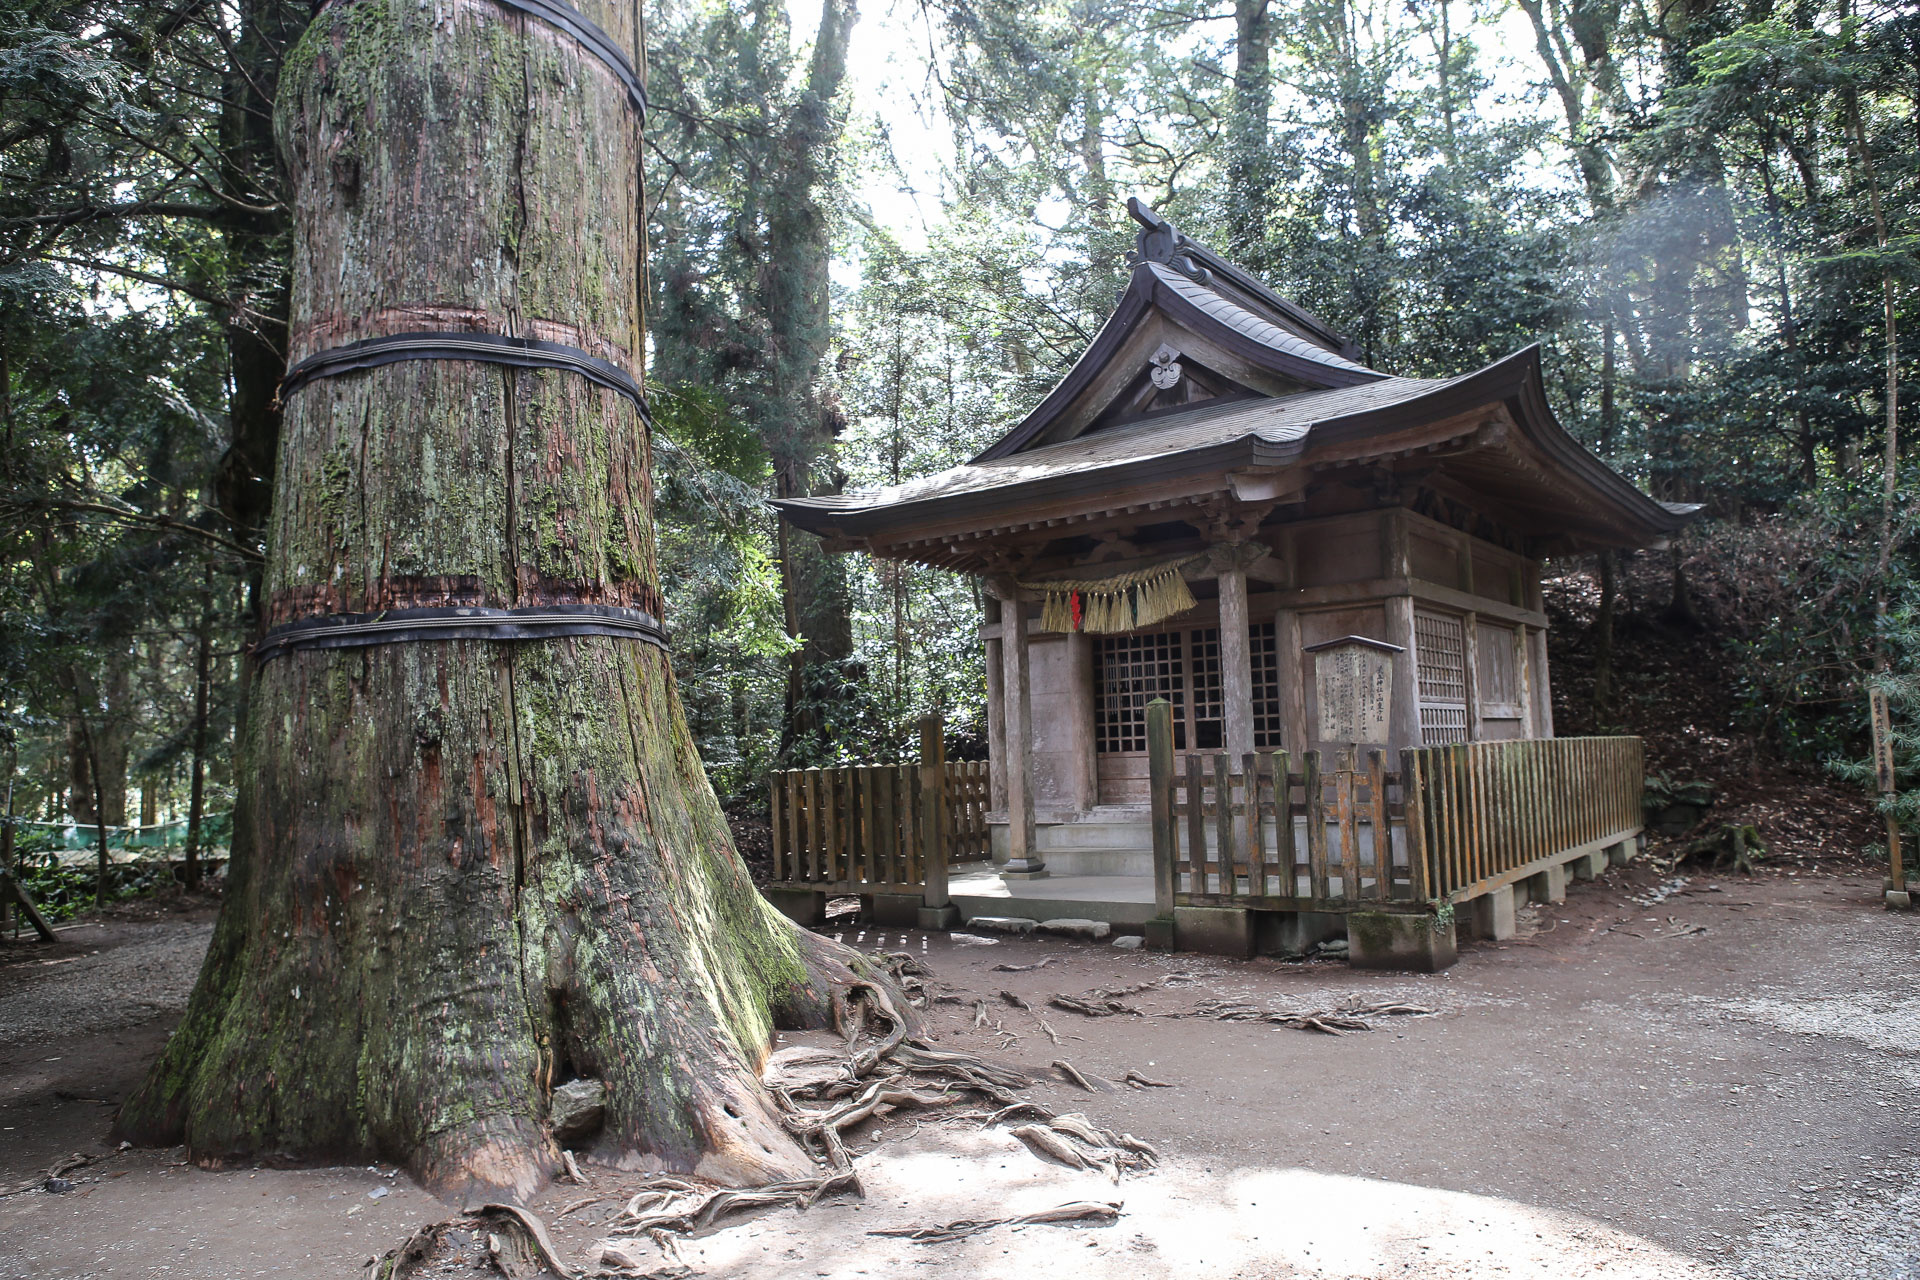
(1350, 1016)
(1091, 1008)
(818, 1095)
(1079, 1212)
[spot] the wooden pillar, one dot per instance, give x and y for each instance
(1542, 686)
(1470, 655)
(1160, 783)
(1016, 694)
(1083, 779)
(1236, 662)
(1406, 681)
(1523, 656)
(936, 827)
(1293, 681)
(996, 714)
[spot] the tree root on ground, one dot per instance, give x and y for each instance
(1727, 847)
(1350, 1016)
(1080, 1211)
(819, 1094)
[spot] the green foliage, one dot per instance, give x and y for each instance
(1682, 207)
(62, 890)
(1901, 684)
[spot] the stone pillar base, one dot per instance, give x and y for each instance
(802, 906)
(1898, 900)
(1621, 854)
(1492, 915)
(1547, 886)
(946, 917)
(1025, 869)
(1588, 866)
(1397, 940)
(1157, 933)
(1214, 931)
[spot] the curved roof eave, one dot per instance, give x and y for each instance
(1515, 380)
(837, 516)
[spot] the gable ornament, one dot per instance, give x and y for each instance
(1166, 368)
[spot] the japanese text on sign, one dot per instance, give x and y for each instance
(1882, 740)
(1355, 686)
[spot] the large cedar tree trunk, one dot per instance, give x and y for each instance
(799, 314)
(478, 869)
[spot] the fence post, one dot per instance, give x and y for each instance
(936, 907)
(1160, 780)
(1413, 798)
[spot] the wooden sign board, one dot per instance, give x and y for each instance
(1882, 740)
(1353, 677)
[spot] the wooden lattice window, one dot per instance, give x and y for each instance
(1129, 672)
(1440, 644)
(1203, 683)
(1264, 641)
(1497, 657)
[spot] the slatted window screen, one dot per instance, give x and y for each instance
(1129, 672)
(1440, 644)
(1203, 682)
(1267, 735)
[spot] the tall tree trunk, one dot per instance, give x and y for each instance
(202, 688)
(1104, 254)
(1890, 477)
(799, 322)
(1603, 624)
(1249, 169)
(1603, 619)
(83, 754)
(483, 867)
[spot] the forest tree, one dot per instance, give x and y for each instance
(467, 870)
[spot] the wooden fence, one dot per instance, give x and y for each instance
(1489, 809)
(875, 828)
(1333, 834)
(1297, 840)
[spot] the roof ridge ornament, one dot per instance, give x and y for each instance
(1159, 241)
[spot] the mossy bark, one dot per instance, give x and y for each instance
(476, 869)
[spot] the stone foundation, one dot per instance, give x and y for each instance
(1396, 940)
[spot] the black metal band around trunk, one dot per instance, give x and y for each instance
(400, 626)
(491, 348)
(582, 28)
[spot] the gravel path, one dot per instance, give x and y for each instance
(106, 990)
(1689, 1079)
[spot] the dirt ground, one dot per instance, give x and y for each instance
(1712, 1077)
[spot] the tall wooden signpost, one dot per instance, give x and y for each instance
(1882, 719)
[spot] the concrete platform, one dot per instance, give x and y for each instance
(1126, 902)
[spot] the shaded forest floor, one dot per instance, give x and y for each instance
(1677, 686)
(1702, 1077)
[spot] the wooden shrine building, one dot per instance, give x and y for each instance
(1210, 499)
